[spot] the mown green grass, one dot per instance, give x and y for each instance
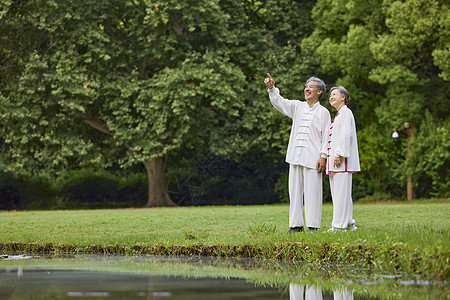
(418, 224)
(397, 237)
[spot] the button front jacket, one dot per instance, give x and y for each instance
(343, 142)
(308, 140)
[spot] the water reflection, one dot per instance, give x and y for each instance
(62, 284)
(151, 277)
(302, 292)
(57, 284)
(343, 295)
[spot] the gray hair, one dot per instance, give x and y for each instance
(320, 85)
(343, 91)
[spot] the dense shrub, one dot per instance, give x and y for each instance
(10, 198)
(101, 189)
(75, 189)
(26, 192)
(210, 180)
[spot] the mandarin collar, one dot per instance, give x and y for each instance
(314, 106)
(340, 109)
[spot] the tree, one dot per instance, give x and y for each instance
(268, 37)
(126, 82)
(390, 55)
(117, 82)
(430, 160)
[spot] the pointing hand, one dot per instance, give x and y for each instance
(269, 81)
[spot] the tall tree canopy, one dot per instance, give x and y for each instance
(93, 82)
(126, 81)
(394, 58)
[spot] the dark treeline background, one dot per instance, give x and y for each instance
(129, 103)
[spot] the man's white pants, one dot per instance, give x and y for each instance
(299, 292)
(341, 192)
(305, 184)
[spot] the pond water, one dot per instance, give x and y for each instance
(153, 277)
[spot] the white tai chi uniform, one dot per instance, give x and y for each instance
(342, 143)
(307, 143)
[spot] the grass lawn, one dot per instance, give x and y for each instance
(395, 237)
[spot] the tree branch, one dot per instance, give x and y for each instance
(7, 67)
(254, 13)
(50, 45)
(96, 124)
(109, 29)
(142, 68)
(90, 121)
(9, 47)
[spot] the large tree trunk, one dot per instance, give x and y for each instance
(157, 187)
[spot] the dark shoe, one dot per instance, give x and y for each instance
(312, 229)
(352, 227)
(295, 229)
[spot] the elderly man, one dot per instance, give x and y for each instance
(306, 152)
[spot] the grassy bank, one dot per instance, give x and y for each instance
(392, 237)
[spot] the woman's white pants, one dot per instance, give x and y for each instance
(341, 193)
(305, 184)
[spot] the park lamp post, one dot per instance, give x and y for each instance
(408, 129)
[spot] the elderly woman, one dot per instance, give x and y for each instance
(343, 160)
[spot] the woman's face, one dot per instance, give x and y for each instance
(336, 99)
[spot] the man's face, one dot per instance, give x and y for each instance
(312, 93)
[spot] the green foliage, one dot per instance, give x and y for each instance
(389, 55)
(119, 83)
(140, 81)
(431, 158)
(376, 161)
(404, 59)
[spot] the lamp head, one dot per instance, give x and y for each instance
(395, 134)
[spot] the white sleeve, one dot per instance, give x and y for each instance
(325, 128)
(345, 136)
(285, 106)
